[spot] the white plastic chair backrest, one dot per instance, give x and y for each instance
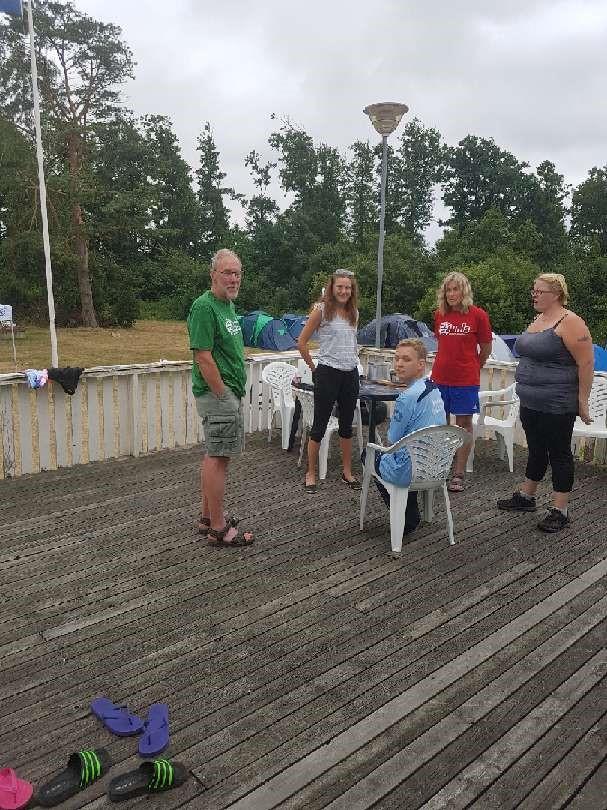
(502, 395)
(304, 371)
(279, 376)
(513, 409)
(431, 450)
(306, 399)
(597, 402)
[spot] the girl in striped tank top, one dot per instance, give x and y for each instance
(335, 320)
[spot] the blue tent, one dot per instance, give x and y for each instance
(295, 323)
(275, 335)
(600, 358)
(394, 328)
(251, 324)
(500, 350)
(265, 332)
(510, 340)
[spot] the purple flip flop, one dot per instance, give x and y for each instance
(155, 736)
(117, 719)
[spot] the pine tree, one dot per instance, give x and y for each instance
(362, 193)
(214, 216)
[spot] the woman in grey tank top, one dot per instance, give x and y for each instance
(336, 375)
(553, 382)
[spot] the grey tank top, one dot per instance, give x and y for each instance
(337, 343)
(547, 375)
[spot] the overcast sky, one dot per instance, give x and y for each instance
(532, 74)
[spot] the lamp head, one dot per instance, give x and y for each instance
(385, 116)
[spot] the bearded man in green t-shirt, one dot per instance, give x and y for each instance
(218, 384)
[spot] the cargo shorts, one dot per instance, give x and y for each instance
(223, 423)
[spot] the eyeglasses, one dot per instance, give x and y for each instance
(228, 273)
(541, 292)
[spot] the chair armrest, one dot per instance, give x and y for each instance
(406, 441)
(380, 447)
(493, 404)
(369, 465)
(500, 402)
(497, 392)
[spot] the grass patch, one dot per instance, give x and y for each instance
(145, 342)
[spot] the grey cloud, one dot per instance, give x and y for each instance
(529, 74)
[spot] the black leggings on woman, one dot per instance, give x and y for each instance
(549, 441)
(332, 385)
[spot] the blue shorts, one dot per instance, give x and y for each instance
(460, 400)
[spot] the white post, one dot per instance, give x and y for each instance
(43, 211)
(380, 246)
(13, 339)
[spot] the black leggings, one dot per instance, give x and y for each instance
(549, 441)
(330, 386)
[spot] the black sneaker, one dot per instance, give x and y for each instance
(517, 503)
(554, 521)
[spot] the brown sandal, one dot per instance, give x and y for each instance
(204, 523)
(228, 536)
(354, 483)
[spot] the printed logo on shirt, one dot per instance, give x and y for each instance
(233, 327)
(447, 328)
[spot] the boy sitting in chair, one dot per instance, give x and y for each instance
(419, 406)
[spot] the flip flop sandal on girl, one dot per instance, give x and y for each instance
(204, 523)
(456, 484)
(228, 536)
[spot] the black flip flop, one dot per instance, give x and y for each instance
(83, 768)
(311, 488)
(149, 777)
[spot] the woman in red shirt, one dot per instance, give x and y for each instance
(464, 339)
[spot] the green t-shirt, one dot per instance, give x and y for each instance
(213, 326)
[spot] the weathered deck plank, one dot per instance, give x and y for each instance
(313, 669)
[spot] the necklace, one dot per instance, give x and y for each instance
(541, 317)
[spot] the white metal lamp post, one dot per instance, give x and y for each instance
(385, 117)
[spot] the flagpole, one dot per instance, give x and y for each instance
(39, 155)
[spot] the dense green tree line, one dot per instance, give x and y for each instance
(133, 225)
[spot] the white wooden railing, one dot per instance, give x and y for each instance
(131, 410)
(116, 411)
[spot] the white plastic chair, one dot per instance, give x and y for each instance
(304, 372)
(432, 450)
(306, 399)
(279, 377)
(503, 428)
(358, 424)
(597, 407)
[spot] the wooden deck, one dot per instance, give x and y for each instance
(313, 670)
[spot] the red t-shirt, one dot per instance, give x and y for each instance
(459, 335)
